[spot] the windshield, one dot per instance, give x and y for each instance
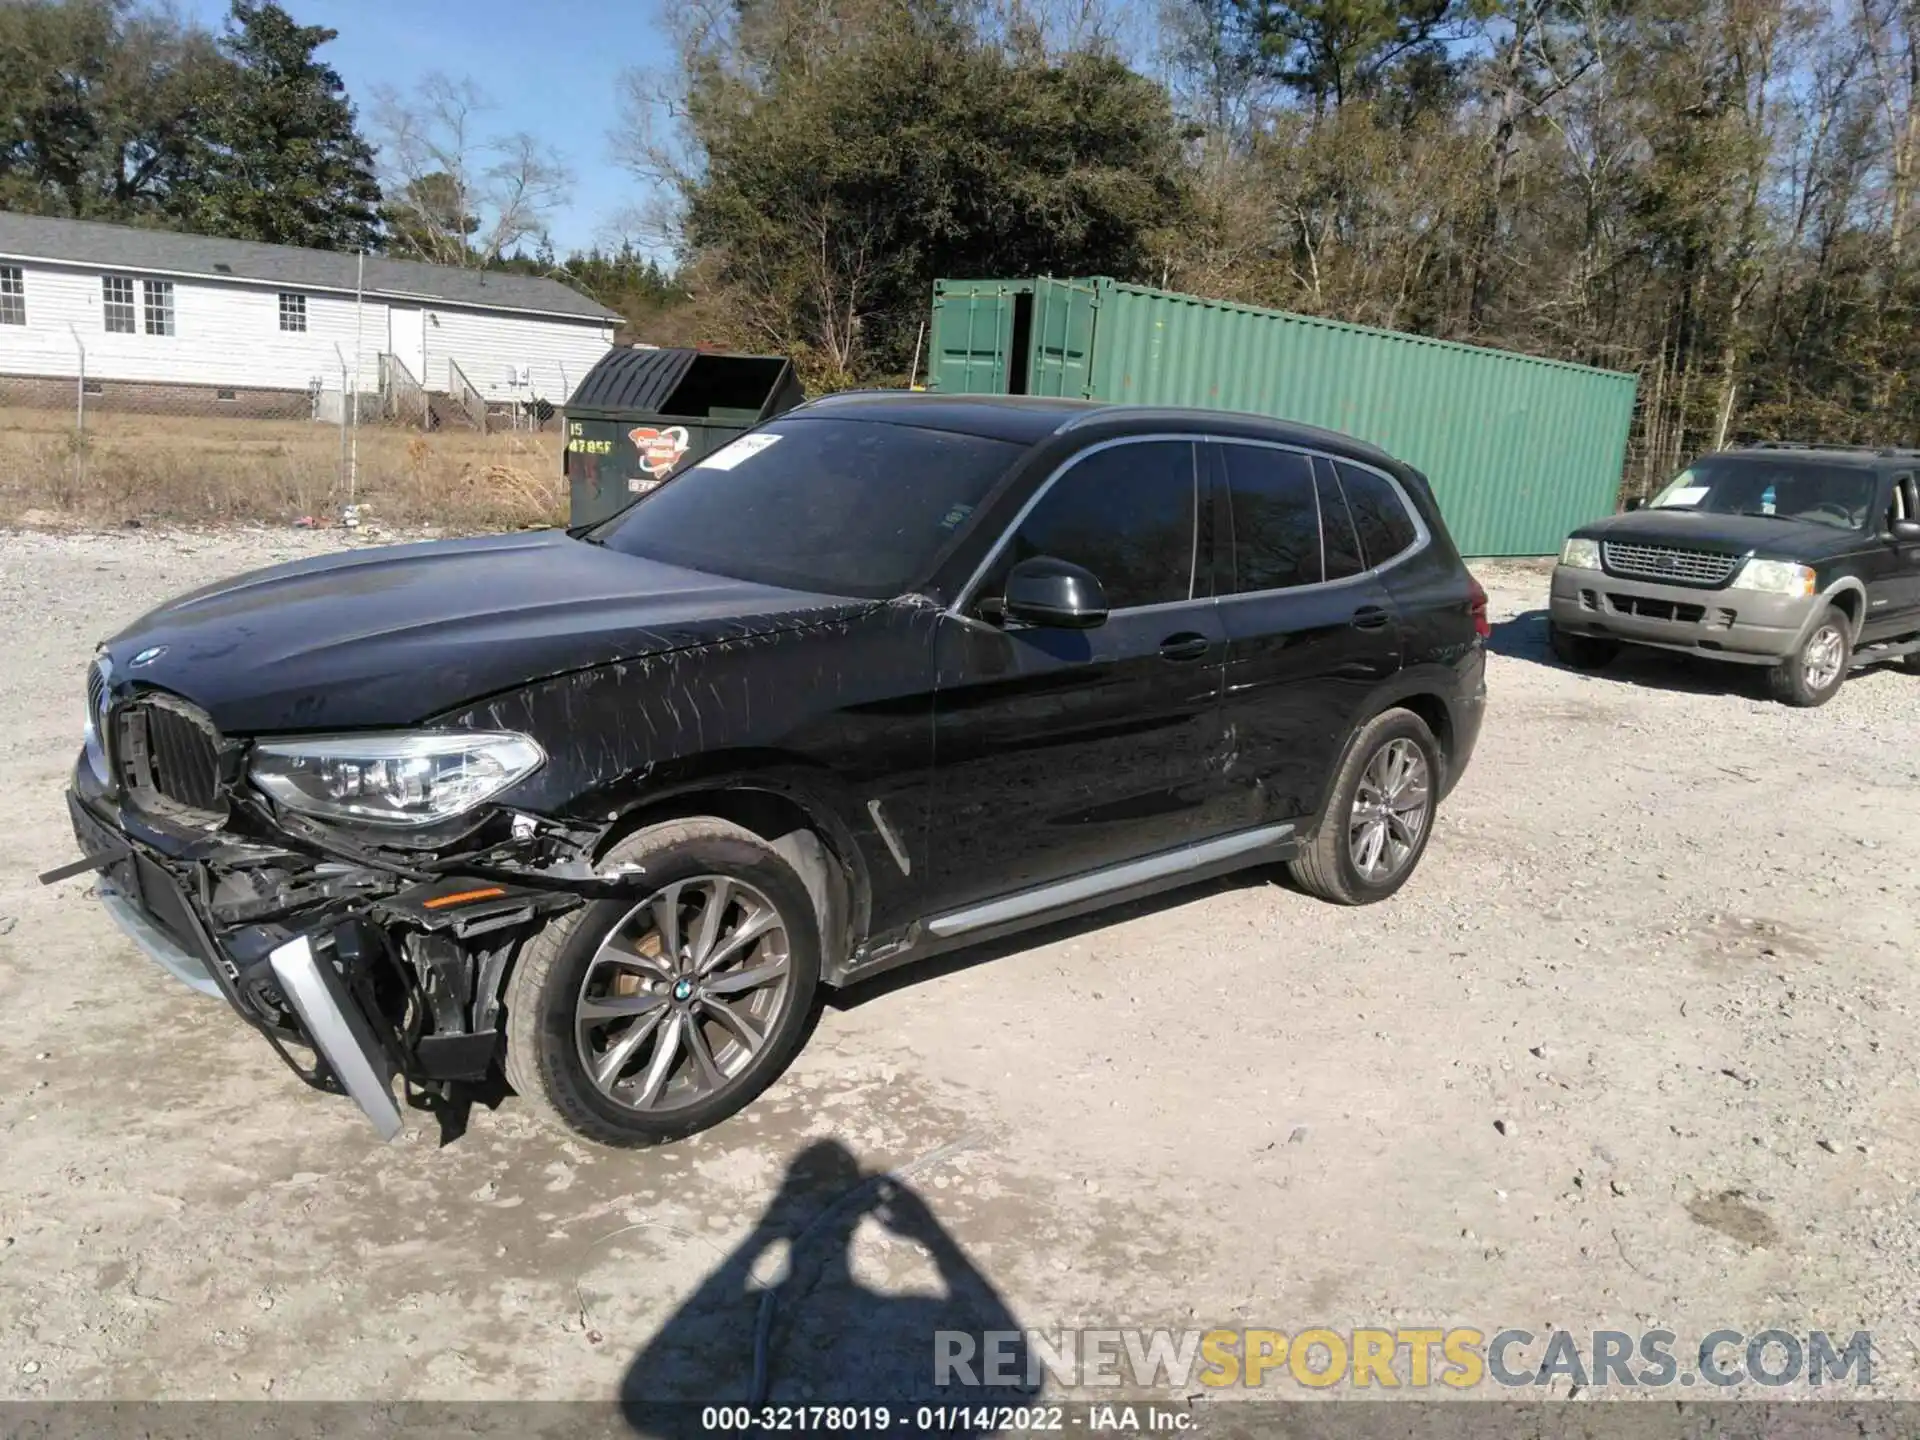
(840, 506)
(1791, 489)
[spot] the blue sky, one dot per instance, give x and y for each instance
(551, 66)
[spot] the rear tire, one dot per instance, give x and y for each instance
(1581, 652)
(1816, 670)
(1379, 816)
(716, 1035)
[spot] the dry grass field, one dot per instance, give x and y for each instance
(195, 469)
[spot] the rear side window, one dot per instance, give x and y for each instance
(1126, 513)
(1379, 515)
(1341, 544)
(1276, 520)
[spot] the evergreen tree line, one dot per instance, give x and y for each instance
(1718, 195)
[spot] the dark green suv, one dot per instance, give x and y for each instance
(1804, 559)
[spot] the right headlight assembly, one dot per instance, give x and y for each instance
(406, 779)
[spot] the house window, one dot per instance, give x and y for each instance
(159, 307)
(13, 295)
(116, 297)
(223, 395)
(293, 313)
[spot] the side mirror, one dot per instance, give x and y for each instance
(1906, 530)
(1044, 591)
(1636, 503)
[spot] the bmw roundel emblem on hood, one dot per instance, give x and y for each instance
(148, 655)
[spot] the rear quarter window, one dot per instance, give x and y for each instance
(1380, 516)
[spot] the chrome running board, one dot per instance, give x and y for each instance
(1104, 882)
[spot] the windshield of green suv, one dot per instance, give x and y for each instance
(1785, 487)
(833, 505)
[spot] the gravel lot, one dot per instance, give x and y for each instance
(1632, 1050)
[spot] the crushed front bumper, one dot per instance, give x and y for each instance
(1744, 626)
(381, 972)
(149, 904)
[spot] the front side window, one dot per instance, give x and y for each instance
(1125, 513)
(1786, 488)
(13, 295)
(159, 298)
(293, 313)
(1380, 516)
(116, 304)
(1276, 519)
(836, 506)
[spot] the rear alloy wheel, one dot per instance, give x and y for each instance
(643, 1020)
(1581, 652)
(1813, 674)
(1379, 816)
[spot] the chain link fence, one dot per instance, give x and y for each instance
(94, 446)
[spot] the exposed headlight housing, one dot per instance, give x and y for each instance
(409, 779)
(1581, 554)
(1775, 577)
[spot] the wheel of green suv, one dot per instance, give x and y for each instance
(1379, 816)
(642, 1020)
(1814, 673)
(1580, 652)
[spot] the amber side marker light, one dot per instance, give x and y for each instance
(461, 897)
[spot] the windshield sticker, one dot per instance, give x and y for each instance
(1685, 495)
(660, 450)
(955, 516)
(745, 448)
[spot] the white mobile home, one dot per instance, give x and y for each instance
(152, 317)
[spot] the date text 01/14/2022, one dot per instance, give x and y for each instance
(935, 1419)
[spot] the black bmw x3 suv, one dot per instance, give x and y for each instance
(889, 675)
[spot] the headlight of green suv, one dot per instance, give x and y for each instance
(1775, 577)
(1581, 554)
(413, 778)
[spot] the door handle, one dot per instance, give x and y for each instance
(1370, 617)
(1184, 646)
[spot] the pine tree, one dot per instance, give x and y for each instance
(278, 156)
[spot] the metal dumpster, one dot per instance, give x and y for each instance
(638, 416)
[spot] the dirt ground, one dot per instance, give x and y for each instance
(1632, 1050)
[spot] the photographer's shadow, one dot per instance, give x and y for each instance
(818, 1336)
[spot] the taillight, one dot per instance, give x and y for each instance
(1477, 595)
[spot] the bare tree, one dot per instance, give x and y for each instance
(461, 193)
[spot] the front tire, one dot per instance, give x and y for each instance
(1814, 673)
(1581, 652)
(1379, 816)
(643, 1020)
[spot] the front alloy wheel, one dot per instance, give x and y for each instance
(1814, 672)
(683, 993)
(644, 1019)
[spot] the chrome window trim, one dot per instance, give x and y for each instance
(966, 596)
(1422, 536)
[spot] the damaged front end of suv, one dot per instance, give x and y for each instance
(357, 897)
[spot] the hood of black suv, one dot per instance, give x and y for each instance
(397, 634)
(1772, 536)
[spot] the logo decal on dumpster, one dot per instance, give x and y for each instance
(660, 450)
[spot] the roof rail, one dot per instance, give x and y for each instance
(1889, 450)
(1798, 445)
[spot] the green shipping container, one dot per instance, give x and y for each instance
(1520, 450)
